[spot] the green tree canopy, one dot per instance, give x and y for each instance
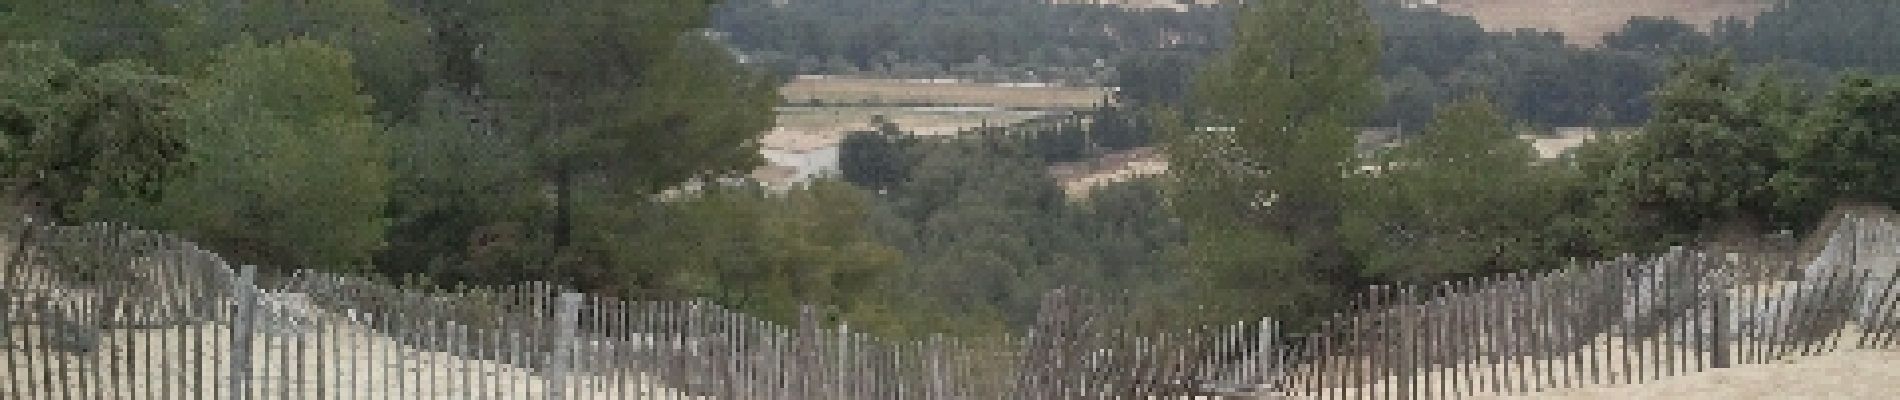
(463, 196)
(1848, 149)
(1706, 158)
(1463, 198)
(1268, 141)
(617, 98)
(1659, 35)
(74, 137)
(1725, 152)
(292, 167)
(387, 44)
(1837, 34)
(95, 31)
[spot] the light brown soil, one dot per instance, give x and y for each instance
(869, 91)
(354, 364)
(1584, 22)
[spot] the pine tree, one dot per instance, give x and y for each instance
(1259, 161)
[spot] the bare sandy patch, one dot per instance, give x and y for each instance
(337, 361)
(1584, 22)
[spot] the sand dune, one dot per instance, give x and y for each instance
(1844, 373)
(1849, 374)
(340, 361)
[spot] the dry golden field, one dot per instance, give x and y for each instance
(847, 103)
(1584, 22)
(926, 121)
(871, 91)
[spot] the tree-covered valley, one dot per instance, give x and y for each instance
(611, 146)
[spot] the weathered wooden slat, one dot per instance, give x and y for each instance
(1532, 331)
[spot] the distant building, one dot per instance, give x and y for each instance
(1561, 141)
(797, 157)
(777, 178)
(1374, 138)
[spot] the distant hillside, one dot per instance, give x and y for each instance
(1584, 22)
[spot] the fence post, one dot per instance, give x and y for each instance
(566, 316)
(806, 356)
(1718, 332)
(15, 271)
(244, 297)
(1265, 348)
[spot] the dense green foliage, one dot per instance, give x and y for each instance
(1258, 175)
(1728, 152)
(1465, 198)
(1835, 34)
(1658, 35)
(487, 142)
(1710, 153)
(1427, 56)
(767, 255)
(1431, 57)
(290, 164)
(1270, 191)
(93, 31)
(1848, 148)
(986, 232)
(615, 102)
(1010, 39)
(73, 136)
(416, 135)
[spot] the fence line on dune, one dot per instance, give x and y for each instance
(104, 312)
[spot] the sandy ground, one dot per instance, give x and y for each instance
(370, 367)
(339, 362)
(1844, 373)
(1849, 374)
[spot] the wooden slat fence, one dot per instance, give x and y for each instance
(104, 312)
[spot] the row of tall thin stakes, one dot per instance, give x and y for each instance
(104, 312)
